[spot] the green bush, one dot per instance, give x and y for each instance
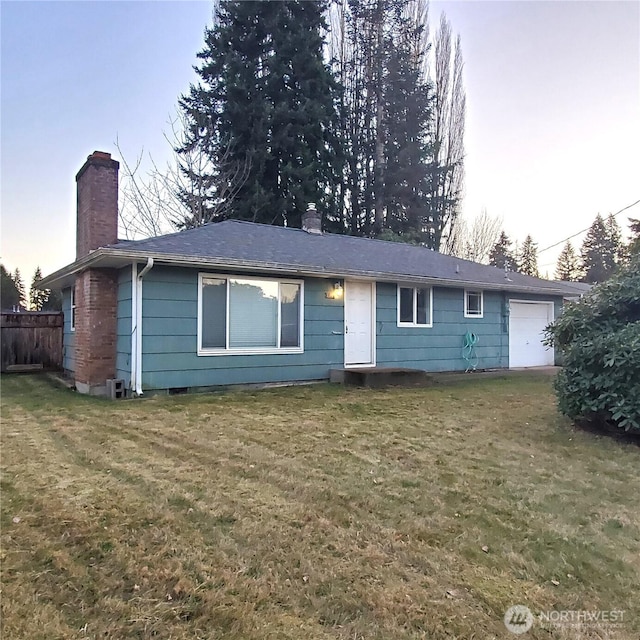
(599, 337)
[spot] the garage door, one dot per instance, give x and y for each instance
(527, 321)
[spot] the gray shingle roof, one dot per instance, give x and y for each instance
(284, 248)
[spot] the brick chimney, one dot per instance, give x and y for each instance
(97, 184)
(96, 290)
(311, 220)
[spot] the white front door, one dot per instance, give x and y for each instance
(527, 321)
(358, 323)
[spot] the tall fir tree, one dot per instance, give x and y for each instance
(528, 258)
(501, 254)
(9, 294)
(22, 298)
(407, 116)
(37, 297)
(600, 251)
(634, 242)
(401, 121)
(568, 265)
(360, 31)
(614, 238)
(266, 101)
(53, 301)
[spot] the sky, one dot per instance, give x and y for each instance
(553, 110)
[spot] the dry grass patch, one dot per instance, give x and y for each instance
(317, 512)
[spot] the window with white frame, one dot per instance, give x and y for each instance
(473, 304)
(249, 315)
(72, 314)
(415, 306)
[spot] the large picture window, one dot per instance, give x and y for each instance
(249, 315)
(414, 306)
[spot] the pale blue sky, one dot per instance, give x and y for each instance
(553, 134)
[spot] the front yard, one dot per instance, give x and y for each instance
(312, 512)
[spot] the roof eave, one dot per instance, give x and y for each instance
(59, 278)
(118, 258)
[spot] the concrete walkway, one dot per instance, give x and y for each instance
(459, 376)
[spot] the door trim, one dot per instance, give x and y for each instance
(373, 326)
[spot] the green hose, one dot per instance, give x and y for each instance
(469, 351)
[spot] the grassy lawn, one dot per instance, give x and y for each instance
(312, 512)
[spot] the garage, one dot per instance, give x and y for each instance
(527, 321)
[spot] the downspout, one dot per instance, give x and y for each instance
(134, 325)
(136, 332)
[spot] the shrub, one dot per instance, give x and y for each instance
(599, 337)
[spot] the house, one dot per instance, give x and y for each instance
(242, 303)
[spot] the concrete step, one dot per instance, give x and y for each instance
(377, 377)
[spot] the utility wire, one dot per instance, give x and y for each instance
(587, 229)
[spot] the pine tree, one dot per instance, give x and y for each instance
(407, 115)
(401, 120)
(528, 259)
(37, 297)
(54, 301)
(614, 237)
(9, 294)
(634, 243)
(568, 265)
(359, 57)
(22, 298)
(599, 251)
(266, 101)
(501, 254)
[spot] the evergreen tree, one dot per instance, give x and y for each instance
(501, 255)
(37, 297)
(407, 115)
(614, 238)
(53, 301)
(401, 120)
(266, 101)
(22, 298)
(9, 294)
(599, 251)
(568, 265)
(528, 259)
(634, 243)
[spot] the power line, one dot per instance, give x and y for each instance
(587, 229)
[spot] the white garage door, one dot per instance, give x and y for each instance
(527, 321)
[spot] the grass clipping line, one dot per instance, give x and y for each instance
(317, 512)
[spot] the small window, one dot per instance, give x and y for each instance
(415, 306)
(249, 315)
(73, 309)
(473, 304)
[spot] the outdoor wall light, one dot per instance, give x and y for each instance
(335, 293)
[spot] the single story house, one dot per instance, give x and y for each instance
(243, 303)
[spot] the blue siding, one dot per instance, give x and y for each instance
(169, 343)
(68, 336)
(123, 331)
(170, 359)
(439, 348)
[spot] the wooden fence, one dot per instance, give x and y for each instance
(31, 340)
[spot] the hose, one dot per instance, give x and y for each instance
(469, 351)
